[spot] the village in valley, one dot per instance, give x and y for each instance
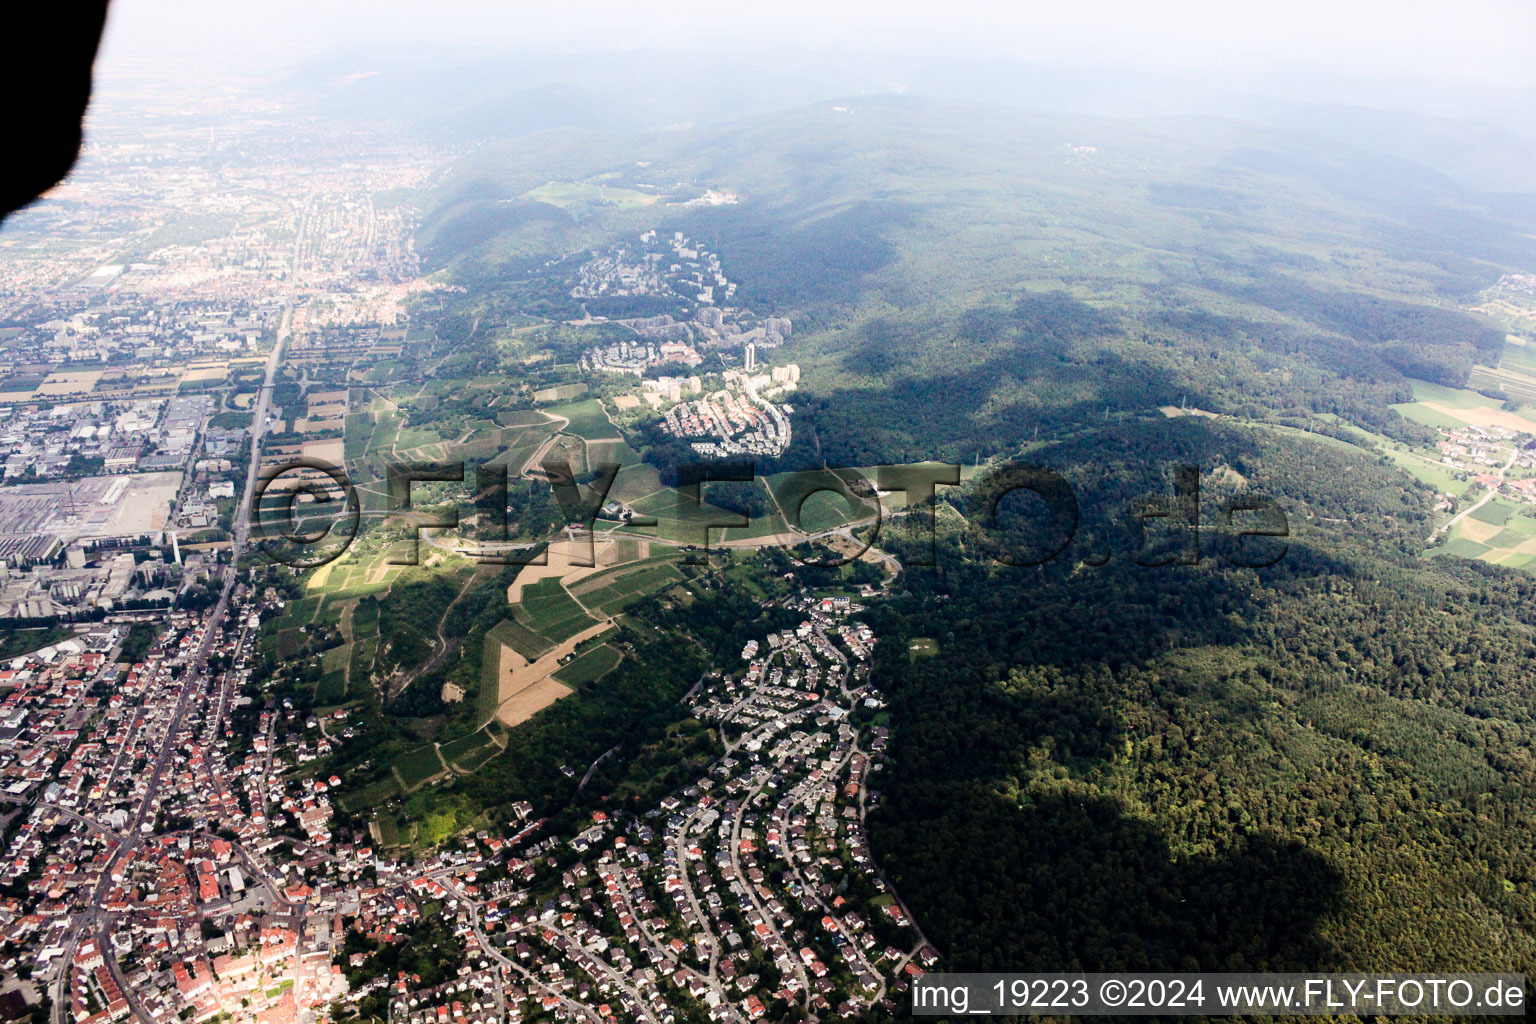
(1482, 464)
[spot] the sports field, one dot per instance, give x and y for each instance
(573, 195)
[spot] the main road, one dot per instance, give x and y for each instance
(263, 404)
(92, 921)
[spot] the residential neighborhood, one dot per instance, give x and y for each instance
(165, 865)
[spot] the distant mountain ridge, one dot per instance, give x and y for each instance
(1487, 145)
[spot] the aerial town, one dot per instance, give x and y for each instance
(139, 311)
(738, 418)
(1491, 454)
(638, 514)
(676, 269)
(161, 863)
(168, 853)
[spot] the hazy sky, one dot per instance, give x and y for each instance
(1492, 42)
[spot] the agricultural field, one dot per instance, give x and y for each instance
(531, 699)
(1430, 470)
(518, 638)
(814, 511)
(562, 393)
(1515, 374)
(526, 686)
(63, 382)
(1438, 406)
(470, 752)
(552, 612)
(611, 591)
(1518, 380)
(332, 688)
(587, 420)
(679, 520)
(1502, 532)
(416, 768)
(557, 608)
(636, 480)
(205, 374)
(1518, 354)
(589, 666)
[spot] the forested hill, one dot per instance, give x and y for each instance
(1000, 273)
(1320, 765)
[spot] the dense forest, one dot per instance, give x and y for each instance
(1323, 764)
